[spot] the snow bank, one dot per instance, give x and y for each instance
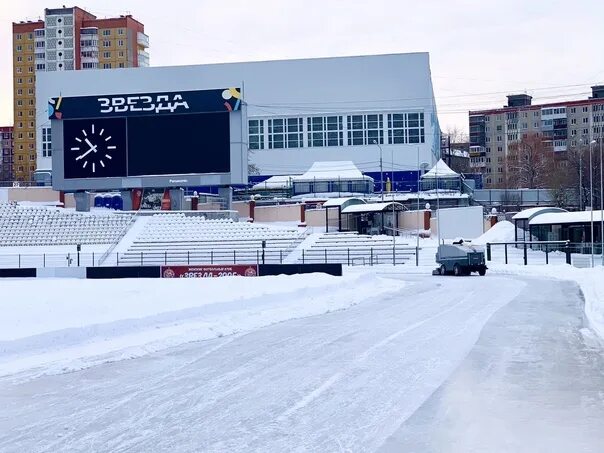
(63, 325)
(501, 232)
(590, 281)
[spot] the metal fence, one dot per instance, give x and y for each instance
(540, 252)
(350, 256)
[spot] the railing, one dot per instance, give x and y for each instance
(351, 256)
(119, 237)
(540, 252)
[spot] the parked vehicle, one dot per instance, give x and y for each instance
(459, 259)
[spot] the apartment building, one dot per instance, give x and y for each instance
(561, 124)
(6, 153)
(67, 39)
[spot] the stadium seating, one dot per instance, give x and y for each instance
(179, 239)
(357, 249)
(43, 226)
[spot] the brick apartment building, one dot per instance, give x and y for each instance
(67, 39)
(562, 125)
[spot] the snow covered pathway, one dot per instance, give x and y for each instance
(343, 381)
(534, 382)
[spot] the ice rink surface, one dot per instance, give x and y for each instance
(428, 370)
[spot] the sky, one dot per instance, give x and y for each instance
(479, 51)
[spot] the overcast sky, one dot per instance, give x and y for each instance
(479, 50)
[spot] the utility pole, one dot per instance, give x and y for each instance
(601, 203)
(381, 170)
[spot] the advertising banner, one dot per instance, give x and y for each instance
(210, 271)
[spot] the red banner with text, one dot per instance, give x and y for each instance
(210, 271)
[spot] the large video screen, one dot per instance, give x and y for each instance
(138, 140)
(147, 145)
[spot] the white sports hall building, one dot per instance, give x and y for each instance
(297, 112)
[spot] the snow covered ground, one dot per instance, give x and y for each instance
(342, 381)
(56, 325)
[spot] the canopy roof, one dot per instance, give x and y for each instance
(528, 214)
(440, 170)
(372, 207)
(340, 201)
(555, 218)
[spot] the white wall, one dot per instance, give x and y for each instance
(381, 83)
(464, 222)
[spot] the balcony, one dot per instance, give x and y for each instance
(143, 59)
(142, 40)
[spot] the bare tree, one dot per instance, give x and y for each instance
(457, 135)
(529, 162)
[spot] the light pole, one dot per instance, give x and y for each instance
(381, 170)
(591, 199)
(601, 204)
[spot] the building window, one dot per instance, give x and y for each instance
(499, 138)
(585, 131)
(106, 43)
(30, 69)
(19, 70)
(325, 131)
(106, 54)
(121, 64)
(585, 120)
(19, 36)
(19, 59)
(120, 43)
(573, 121)
(365, 129)
(40, 44)
(19, 48)
(46, 142)
(121, 54)
(121, 31)
(106, 65)
(256, 134)
(106, 32)
(285, 133)
(40, 67)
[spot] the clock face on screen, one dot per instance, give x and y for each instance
(94, 148)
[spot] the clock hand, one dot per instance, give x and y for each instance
(86, 153)
(93, 147)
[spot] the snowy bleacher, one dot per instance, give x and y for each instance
(357, 249)
(192, 239)
(30, 226)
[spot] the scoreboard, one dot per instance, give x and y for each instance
(167, 139)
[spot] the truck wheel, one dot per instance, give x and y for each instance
(457, 270)
(443, 270)
(482, 271)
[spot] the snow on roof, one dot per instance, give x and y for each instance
(440, 170)
(554, 218)
(274, 182)
(341, 201)
(332, 170)
(527, 214)
(371, 207)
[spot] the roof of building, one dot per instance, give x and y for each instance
(555, 218)
(440, 170)
(506, 109)
(332, 170)
(340, 201)
(527, 214)
(372, 207)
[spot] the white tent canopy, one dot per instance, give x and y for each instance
(274, 182)
(440, 170)
(332, 171)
